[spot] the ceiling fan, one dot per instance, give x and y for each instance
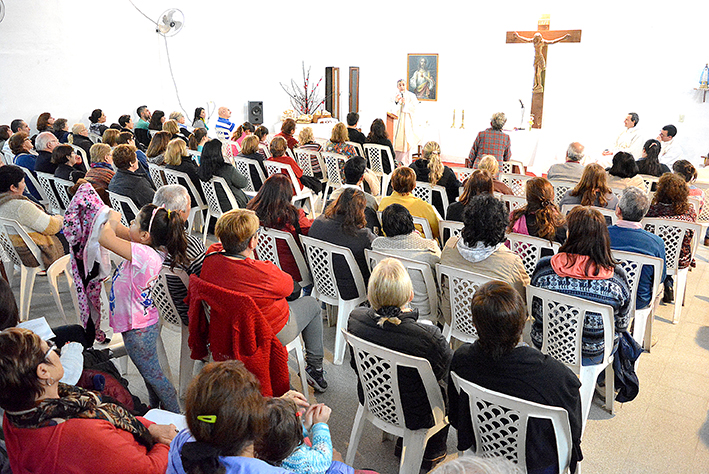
(170, 22)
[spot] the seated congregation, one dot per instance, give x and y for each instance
(467, 261)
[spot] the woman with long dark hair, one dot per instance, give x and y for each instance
(200, 118)
(479, 182)
(275, 210)
(650, 164)
(540, 217)
(212, 164)
(378, 135)
(585, 268)
(156, 121)
(624, 172)
(592, 189)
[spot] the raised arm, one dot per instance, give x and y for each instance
(557, 40)
(523, 38)
(111, 241)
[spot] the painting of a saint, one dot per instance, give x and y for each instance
(422, 74)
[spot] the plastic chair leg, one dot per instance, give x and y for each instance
(355, 435)
(27, 276)
(297, 346)
(610, 389)
(412, 452)
(53, 273)
(681, 279)
(206, 227)
(343, 314)
(186, 362)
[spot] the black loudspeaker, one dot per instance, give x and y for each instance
(256, 112)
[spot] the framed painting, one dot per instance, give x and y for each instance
(422, 75)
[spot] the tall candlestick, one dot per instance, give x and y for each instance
(462, 118)
(453, 126)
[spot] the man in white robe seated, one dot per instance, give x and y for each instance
(630, 139)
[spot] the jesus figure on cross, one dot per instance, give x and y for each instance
(539, 62)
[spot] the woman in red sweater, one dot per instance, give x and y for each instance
(52, 427)
(278, 153)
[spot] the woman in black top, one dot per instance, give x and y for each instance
(429, 169)
(378, 135)
(650, 163)
(480, 181)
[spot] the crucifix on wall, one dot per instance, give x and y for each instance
(540, 39)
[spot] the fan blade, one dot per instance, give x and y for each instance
(177, 25)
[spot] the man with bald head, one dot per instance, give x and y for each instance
(572, 169)
(224, 126)
(80, 137)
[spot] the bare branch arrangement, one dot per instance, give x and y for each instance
(305, 100)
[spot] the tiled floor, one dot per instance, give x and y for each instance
(664, 430)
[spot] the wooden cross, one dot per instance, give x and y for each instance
(540, 39)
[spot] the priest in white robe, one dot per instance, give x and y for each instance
(405, 136)
(630, 139)
(670, 150)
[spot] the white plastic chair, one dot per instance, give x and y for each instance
(244, 166)
(117, 203)
(561, 186)
(228, 151)
(609, 214)
(304, 158)
(448, 229)
(460, 286)
(357, 147)
(94, 137)
(198, 206)
(27, 274)
(530, 249)
(63, 186)
(320, 256)
(414, 268)
(375, 155)
(513, 202)
(335, 178)
(170, 318)
(564, 317)
(302, 193)
(672, 232)
(516, 182)
(650, 181)
(44, 200)
(267, 249)
(500, 424)
(45, 181)
(425, 226)
(695, 202)
(82, 153)
(377, 369)
(214, 209)
(425, 191)
(508, 167)
(156, 174)
(462, 173)
(633, 264)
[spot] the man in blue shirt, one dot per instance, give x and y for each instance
(628, 235)
(224, 127)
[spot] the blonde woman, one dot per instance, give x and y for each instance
(110, 137)
(337, 141)
(307, 141)
(429, 169)
(489, 163)
(177, 158)
(392, 324)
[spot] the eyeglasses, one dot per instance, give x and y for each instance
(52, 347)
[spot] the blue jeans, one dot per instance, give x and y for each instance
(141, 345)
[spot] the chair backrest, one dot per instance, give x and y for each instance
(462, 285)
(320, 255)
(513, 202)
(650, 181)
(561, 186)
(45, 181)
(672, 232)
(448, 229)
(210, 194)
(157, 175)
(12, 227)
(530, 249)
(267, 249)
(229, 150)
(425, 192)
(303, 157)
(414, 268)
(376, 154)
(274, 167)
(425, 226)
(703, 216)
(564, 317)
(500, 424)
(182, 178)
(94, 137)
(63, 188)
(357, 147)
(462, 173)
(118, 201)
(82, 154)
(516, 182)
(377, 369)
(508, 167)
(633, 264)
(162, 300)
(608, 214)
(335, 174)
(695, 202)
(243, 166)
(40, 189)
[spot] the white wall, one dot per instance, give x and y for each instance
(71, 56)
